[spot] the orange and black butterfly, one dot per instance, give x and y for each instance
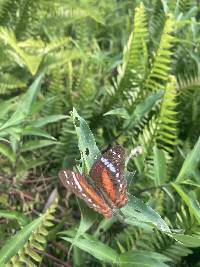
(106, 190)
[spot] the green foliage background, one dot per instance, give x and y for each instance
(130, 72)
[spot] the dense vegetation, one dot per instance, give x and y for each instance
(77, 77)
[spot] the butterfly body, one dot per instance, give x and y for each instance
(107, 191)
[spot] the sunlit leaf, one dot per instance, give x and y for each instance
(136, 208)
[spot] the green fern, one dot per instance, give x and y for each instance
(161, 66)
(135, 60)
(30, 249)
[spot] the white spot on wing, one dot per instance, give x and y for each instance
(108, 164)
(117, 175)
(77, 182)
(65, 173)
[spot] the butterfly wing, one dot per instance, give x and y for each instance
(77, 183)
(108, 174)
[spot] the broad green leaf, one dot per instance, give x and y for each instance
(7, 152)
(14, 244)
(190, 241)
(24, 106)
(95, 248)
(14, 215)
(143, 258)
(120, 112)
(144, 213)
(35, 144)
(190, 164)
(49, 119)
(86, 142)
(160, 168)
(189, 200)
(29, 130)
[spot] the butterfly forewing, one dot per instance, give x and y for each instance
(78, 184)
(108, 174)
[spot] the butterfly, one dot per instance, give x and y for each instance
(105, 191)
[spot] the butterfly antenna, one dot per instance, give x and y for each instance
(134, 153)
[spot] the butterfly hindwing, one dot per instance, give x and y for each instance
(78, 184)
(108, 174)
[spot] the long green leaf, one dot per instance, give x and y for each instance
(143, 213)
(86, 142)
(95, 248)
(49, 119)
(13, 245)
(24, 107)
(191, 241)
(189, 200)
(190, 164)
(142, 258)
(160, 168)
(14, 215)
(35, 144)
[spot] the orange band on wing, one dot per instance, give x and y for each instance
(108, 185)
(92, 194)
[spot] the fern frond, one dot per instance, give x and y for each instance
(188, 82)
(9, 82)
(161, 65)
(28, 254)
(167, 131)
(161, 129)
(132, 71)
(26, 19)
(8, 12)
(137, 238)
(134, 61)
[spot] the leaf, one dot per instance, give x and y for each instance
(7, 152)
(87, 219)
(25, 104)
(14, 215)
(191, 241)
(121, 112)
(190, 163)
(189, 200)
(29, 130)
(143, 258)
(143, 108)
(49, 119)
(95, 248)
(104, 225)
(31, 61)
(13, 245)
(144, 213)
(35, 144)
(86, 142)
(26, 165)
(160, 168)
